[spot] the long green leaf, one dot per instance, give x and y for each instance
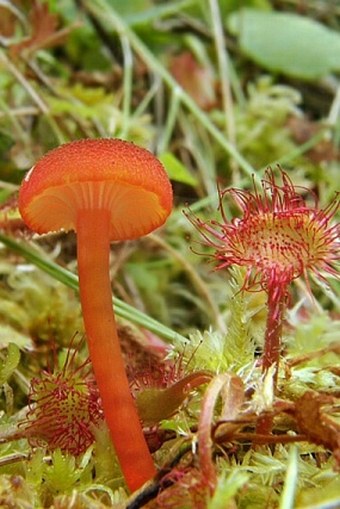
(69, 279)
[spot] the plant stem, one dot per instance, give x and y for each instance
(104, 349)
(272, 343)
(224, 75)
(205, 442)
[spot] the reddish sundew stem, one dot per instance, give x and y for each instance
(276, 299)
(276, 303)
(96, 299)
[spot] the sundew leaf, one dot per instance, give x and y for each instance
(287, 43)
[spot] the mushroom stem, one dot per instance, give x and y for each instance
(103, 343)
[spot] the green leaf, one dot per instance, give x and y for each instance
(321, 497)
(176, 170)
(292, 475)
(227, 488)
(156, 404)
(10, 363)
(6, 142)
(125, 8)
(287, 43)
(63, 473)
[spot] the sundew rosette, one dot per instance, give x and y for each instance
(278, 237)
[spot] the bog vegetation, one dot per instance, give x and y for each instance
(228, 315)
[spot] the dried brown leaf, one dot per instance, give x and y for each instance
(44, 32)
(303, 130)
(197, 80)
(314, 414)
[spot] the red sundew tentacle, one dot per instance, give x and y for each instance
(240, 197)
(214, 233)
(203, 228)
(332, 208)
(221, 195)
(270, 197)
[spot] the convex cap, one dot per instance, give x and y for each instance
(111, 174)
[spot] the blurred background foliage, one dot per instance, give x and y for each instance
(218, 90)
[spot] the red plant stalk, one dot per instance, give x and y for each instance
(276, 303)
(96, 299)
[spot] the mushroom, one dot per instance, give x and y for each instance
(106, 190)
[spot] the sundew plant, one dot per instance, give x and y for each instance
(169, 254)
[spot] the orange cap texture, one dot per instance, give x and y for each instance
(111, 174)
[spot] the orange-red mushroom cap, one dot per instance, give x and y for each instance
(110, 174)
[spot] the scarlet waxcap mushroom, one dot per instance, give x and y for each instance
(104, 189)
(109, 174)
